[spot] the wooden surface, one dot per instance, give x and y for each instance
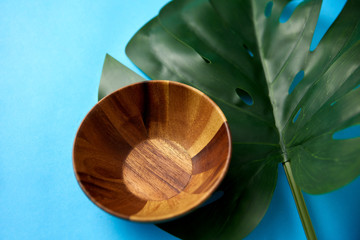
(152, 151)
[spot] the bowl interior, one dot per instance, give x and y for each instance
(152, 150)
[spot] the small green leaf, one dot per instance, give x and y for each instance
(115, 76)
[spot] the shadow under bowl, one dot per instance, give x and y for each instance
(152, 151)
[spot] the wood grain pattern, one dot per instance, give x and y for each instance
(152, 151)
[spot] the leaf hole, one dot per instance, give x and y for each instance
(289, 10)
(268, 9)
(333, 103)
(328, 14)
(347, 133)
(248, 50)
(214, 197)
(244, 96)
(297, 79)
(206, 59)
(296, 116)
(358, 86)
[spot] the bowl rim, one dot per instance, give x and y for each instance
(191, 207)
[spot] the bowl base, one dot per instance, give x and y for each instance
(157, 169)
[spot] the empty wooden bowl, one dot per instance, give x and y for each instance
(152, 151)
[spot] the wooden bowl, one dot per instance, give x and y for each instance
(152, 151)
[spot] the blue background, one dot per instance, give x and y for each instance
(51, 60)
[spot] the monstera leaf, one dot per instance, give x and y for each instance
(283, 102)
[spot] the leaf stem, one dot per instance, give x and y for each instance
(300, 203)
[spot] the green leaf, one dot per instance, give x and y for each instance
(238, 53)
(114, 76)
